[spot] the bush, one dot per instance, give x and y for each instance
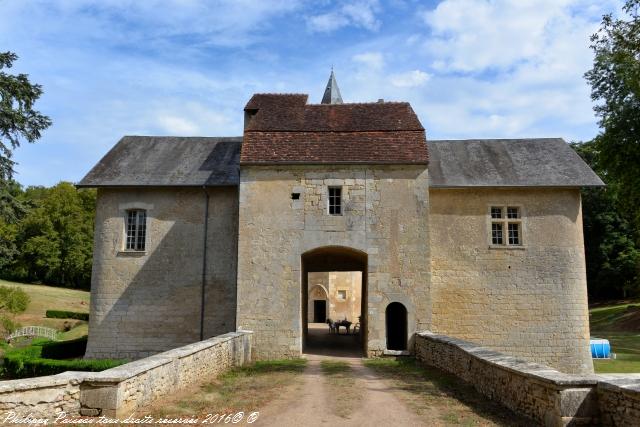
(61, 314)
(64, 349)
(28, 362)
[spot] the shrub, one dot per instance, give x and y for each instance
(62, 314)
(64, 349)
(28, 362)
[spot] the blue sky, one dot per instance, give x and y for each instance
(470, 68)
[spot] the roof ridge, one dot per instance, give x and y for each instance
(359, 103)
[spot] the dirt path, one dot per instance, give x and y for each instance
(309, 404)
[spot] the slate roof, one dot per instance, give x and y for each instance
(284, 129)
(544, 162)
(332, 92)
(168, 161)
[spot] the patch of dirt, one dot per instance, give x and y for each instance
(630, 320)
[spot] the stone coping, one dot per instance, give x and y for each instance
(620, 382)
(532, 370)
(118, 373)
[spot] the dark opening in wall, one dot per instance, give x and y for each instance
(295, 196)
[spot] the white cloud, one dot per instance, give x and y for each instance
(413, 78)
(373, 60)
(360, 13)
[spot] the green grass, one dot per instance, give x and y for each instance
(433, 393)
(45, 298)
(616, 322)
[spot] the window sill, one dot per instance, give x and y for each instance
(131, 253)
(508, 247)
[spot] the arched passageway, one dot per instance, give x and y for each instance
(396, 325)
(345, 302)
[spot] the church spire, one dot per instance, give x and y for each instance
(332, 93)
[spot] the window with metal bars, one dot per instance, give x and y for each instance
(136, 230)
(335, 200)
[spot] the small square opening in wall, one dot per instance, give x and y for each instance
(295, 196)
(342, 295)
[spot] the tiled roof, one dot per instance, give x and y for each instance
(537, 162)
(168, 161)
(284, 129)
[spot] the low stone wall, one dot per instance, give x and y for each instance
(545, 395)
(40, 397)
(619, 399)
(119, 391)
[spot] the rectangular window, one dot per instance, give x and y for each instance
(342, 295)
(514, 233)
(335, 200)
(136, 230)
(506, 219)
(496, 233)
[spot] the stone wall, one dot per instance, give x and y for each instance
(120, 391)
(143, 303)
(545, 395)
(40, 397)
(528, 301)
(619, 399)
(385, 217)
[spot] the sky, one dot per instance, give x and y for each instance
(469, 68)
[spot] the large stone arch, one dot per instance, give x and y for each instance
(334, 258)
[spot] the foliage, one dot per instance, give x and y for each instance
(615, 87)
(64, 349)
(612, 255)
(12, 301)
(61, 314)
(18, 120)
(29, 362)
(52, 241)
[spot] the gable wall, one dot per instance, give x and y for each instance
(385, 216)
(530, 302)
(143, 304)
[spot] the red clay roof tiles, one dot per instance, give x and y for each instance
(284, 129)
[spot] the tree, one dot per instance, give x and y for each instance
(612, 255)
(615, 87)
(18, 120)
(12, 301)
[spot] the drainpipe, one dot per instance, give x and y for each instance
(204, 260)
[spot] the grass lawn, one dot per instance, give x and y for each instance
(618, 322)
(247, 389)
(45, 298)
(432, 394)
(344, 394)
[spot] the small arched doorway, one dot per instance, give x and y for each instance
(396, 325)
(318, 304)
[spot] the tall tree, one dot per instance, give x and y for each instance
(18, 119)
(615, 87)
(612, 255)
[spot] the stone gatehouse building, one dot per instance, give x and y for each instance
(476, 239)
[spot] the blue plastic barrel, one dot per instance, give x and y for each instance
(600, 348)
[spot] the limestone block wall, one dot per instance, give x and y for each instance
(530, 301)
(545, 395)
(121, 391)
(619, 399)
(385, 216)
(40, 397)
(145, 303)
